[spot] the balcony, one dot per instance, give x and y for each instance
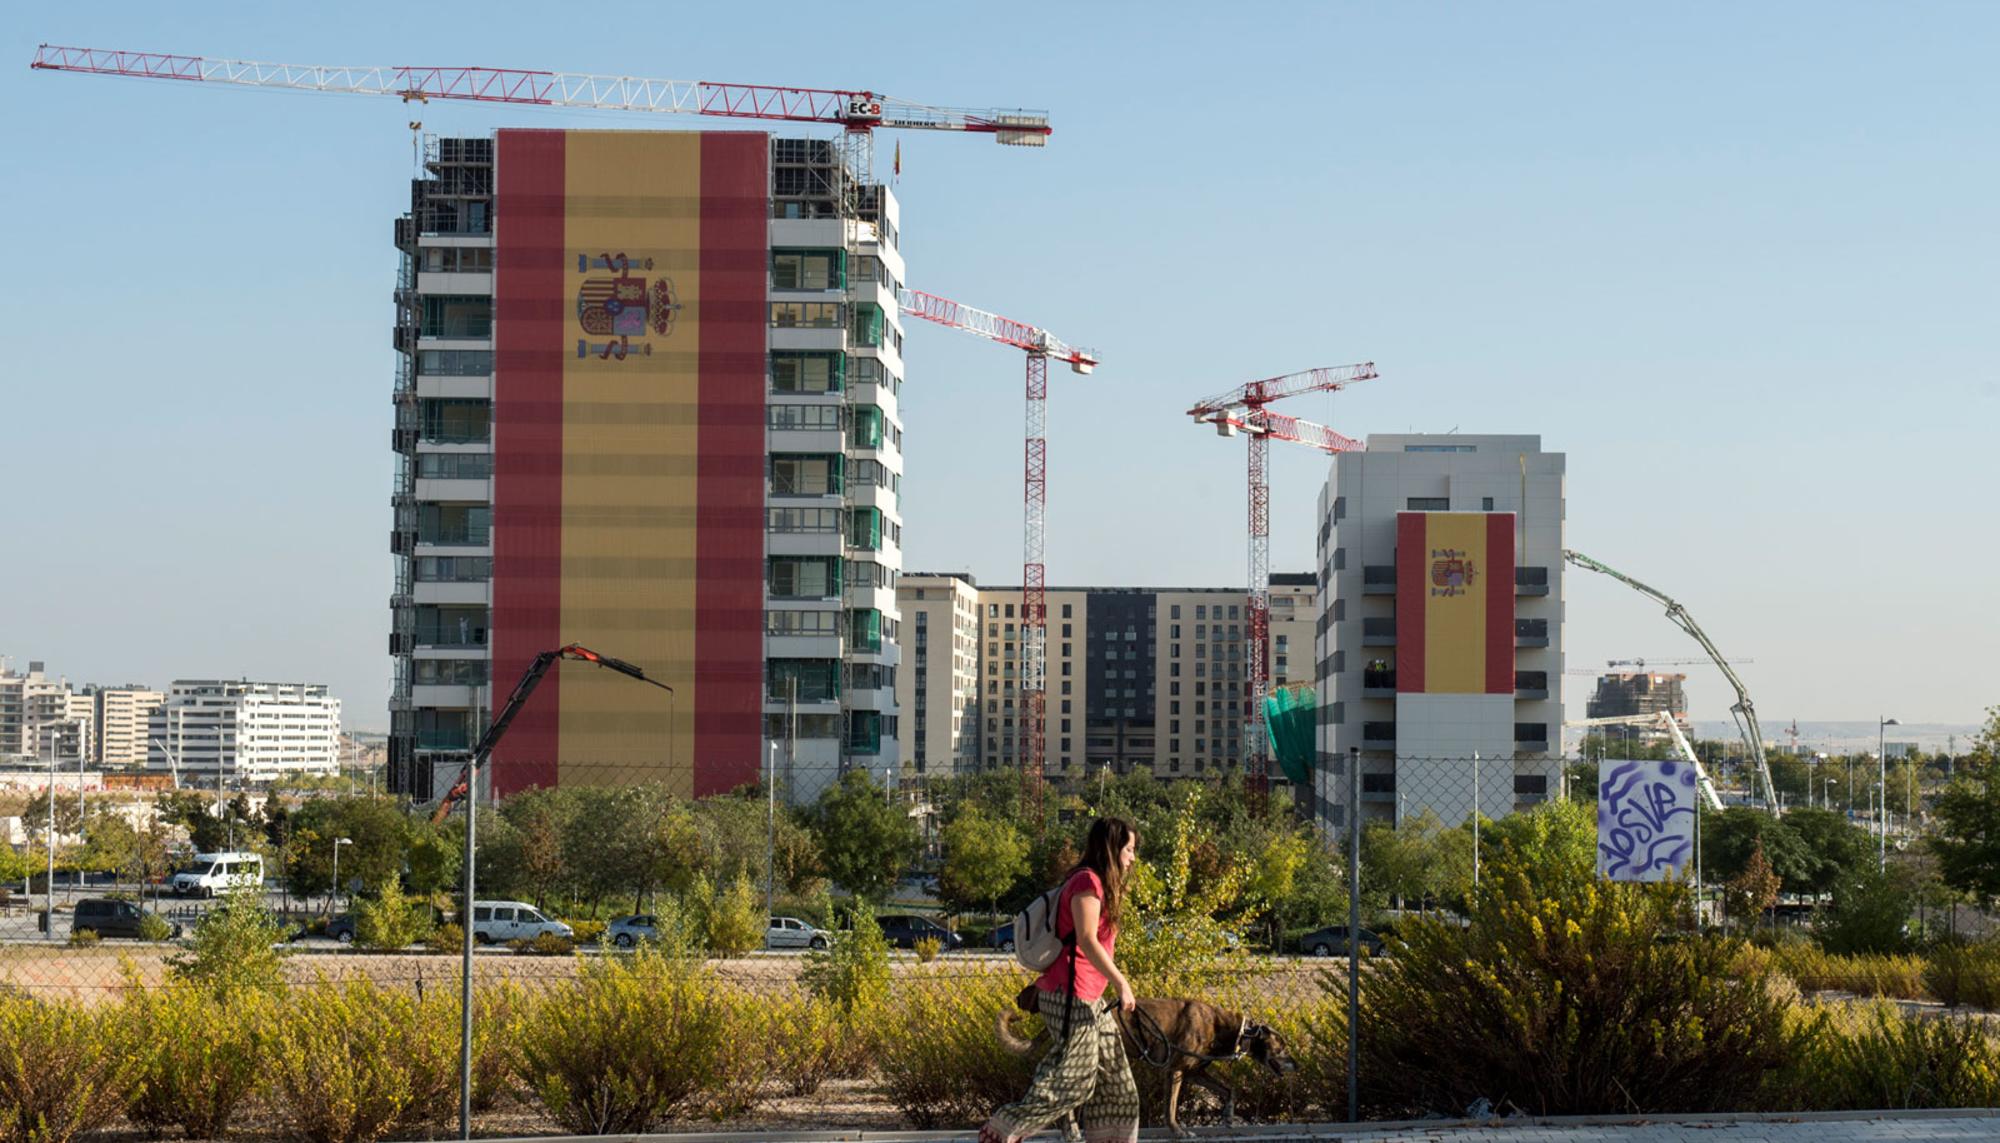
(1532, 736)
(1381, 632)
(1531, 633)
(1378, 733)
(1531, 685)
(1531, 581)
(1378, 579)
(1378, 682)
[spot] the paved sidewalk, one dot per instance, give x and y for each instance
(1813, 1127)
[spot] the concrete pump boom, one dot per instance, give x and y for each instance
(1743, 712)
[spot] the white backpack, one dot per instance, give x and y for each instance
(1036, 944)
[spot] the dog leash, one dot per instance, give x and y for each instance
(1153, 1029)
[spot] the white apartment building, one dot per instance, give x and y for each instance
(1440, 628)
(26, 700)
(250, 732)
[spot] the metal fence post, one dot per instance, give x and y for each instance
(1353, 933)
(465, 960)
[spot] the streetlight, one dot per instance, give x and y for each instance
(337, 843)
(1882, 726)
(49, 890)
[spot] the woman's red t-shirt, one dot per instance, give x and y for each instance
(1090, 983)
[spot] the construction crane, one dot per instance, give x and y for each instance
(1672, 726)
(1041, 345)
(1743, 711)
(857, 113)
(1614, 664)
(1244, 409)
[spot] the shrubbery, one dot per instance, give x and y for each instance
(64, 1071)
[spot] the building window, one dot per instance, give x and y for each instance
(805, 315)
(1066, 615)
(1486, 504)
(1430, 503)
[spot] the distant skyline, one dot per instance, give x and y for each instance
(1734, 261)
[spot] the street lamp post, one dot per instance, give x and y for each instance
(49, 890)
(337, 843)
(1882, 726)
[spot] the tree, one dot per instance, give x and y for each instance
(983, 858)
(733, 921)
(1746, 895)
(390, 921)
(1728, 839)
(1834, 847)
(1870, 910)
(1556, 842)
(865, 841)
(233, 949)
(1967, 839)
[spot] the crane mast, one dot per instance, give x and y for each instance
(1242, 410)
(1040, 345)
(1743, 711)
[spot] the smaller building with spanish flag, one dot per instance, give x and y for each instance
(1440, 644)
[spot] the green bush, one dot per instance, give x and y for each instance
(926, 948)
(1870, 912)
(355, 1062)
(233, 949)
(733, 919)
(587, 932)
(200, 1058)
(64, 1071)
(391, 921)
(812, 1042)
(446, 938)
(853, 975)
(1961, 974)
(152, 927)
(543, 944)
(935, 1051)
(1816, 970)
(1875, 1056)
(1592, 1002)
(83, 938)
(633, 1041)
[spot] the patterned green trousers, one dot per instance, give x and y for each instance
(1086, 1073)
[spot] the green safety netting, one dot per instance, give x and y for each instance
(1288, 719)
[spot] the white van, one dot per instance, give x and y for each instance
(214, 873)
(495, 922)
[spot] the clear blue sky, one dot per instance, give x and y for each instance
(1737, 261)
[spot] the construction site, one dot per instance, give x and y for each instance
(670, 707)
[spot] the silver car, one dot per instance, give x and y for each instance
(628, 931)
(792, 933)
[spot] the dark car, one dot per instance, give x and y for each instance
(1002, 938)
(108, 918)
(1332, 941)
(904, 930)
(339, 928)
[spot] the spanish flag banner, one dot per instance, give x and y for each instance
(628, 482)
(1455, 603)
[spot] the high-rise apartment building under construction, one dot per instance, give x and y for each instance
(646, 402)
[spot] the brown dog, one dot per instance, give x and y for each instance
(1179, 1038)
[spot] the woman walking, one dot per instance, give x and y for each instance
(1086, 1070)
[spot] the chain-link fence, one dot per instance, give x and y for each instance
(829, 944)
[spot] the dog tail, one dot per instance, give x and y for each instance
(1003, 1024)
(1003, 1028)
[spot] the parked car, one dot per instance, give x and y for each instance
(624, 932)
(792, 933)
(904, 930)
(339, 928)
(108, 918)
(500, 921)
(1002, 938)
(1332, 941)
(214, 873)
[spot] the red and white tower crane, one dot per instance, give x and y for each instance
(858, 113)
(1242, 410)
(1041, 345)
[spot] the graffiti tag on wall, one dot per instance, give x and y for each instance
(1645, 819)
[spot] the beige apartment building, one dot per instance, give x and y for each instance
(1138, 677)
(122, 715)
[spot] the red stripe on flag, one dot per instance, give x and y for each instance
(1500, 603)
(729, 561)
(1412, 593)
(529, 328)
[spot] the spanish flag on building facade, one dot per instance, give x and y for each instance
(1455, 603)
(628, 482)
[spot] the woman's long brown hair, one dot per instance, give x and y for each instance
(1100, 855)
